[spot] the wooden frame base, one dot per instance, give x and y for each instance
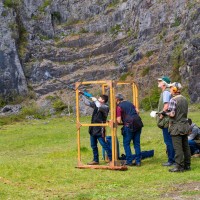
(121, 168)
(112, 166)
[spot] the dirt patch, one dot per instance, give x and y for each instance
(185, 191)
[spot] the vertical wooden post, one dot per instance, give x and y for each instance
(115, 122)
(112, 125)
(77, 123)
(103, 88)
(136, 96)
(133, 93)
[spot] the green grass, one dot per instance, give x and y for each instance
(38, 160)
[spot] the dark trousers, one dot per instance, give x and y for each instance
(182, 150)
(93, 142)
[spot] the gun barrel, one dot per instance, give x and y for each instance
(48, 75)
(65, 84)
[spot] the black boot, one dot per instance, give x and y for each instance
(177, 169)
(187, 168)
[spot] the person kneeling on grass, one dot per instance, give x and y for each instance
(194, 139)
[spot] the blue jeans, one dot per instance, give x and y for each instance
(168, 141)
(193, 147)
(128, 135)
(109, 142)
(93, 142)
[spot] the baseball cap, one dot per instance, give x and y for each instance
(165, 79)
(175, 84)
(119, 96)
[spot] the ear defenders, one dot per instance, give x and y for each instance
(175, 87)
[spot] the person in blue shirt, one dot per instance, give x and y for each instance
(163, 106)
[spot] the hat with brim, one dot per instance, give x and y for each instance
(165, 79)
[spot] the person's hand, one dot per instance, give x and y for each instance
(94, 98)
(161, 116)
(163, 113)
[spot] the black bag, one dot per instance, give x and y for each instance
(136, 124)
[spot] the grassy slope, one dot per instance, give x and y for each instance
(38, 159)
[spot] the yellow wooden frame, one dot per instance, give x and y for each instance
(115, 163)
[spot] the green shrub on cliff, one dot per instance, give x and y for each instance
(145, 71)
(124, 76)
(11, 3)
(22, 41)
(131, 50)
(56, 16)
(151, 100)
(149, 53)
(177, 22)
(114, 30)
(113, 3)
(2, 102)
(44, 5)
(59, 105)
(177, 61)
(33, 110)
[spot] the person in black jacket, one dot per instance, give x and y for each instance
(97, 133)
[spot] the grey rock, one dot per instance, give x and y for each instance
(11, 109)
(12, 78)
(90, 40)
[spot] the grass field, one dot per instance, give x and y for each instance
(38, 160)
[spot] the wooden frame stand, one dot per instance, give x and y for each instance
(112, 124)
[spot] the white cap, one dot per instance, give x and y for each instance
(176, 84)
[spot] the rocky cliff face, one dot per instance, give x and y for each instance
(12, 78)
(78, 40)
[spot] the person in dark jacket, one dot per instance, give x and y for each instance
(179, 128)
(97, 133)
(194, 138)
(127, 115)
